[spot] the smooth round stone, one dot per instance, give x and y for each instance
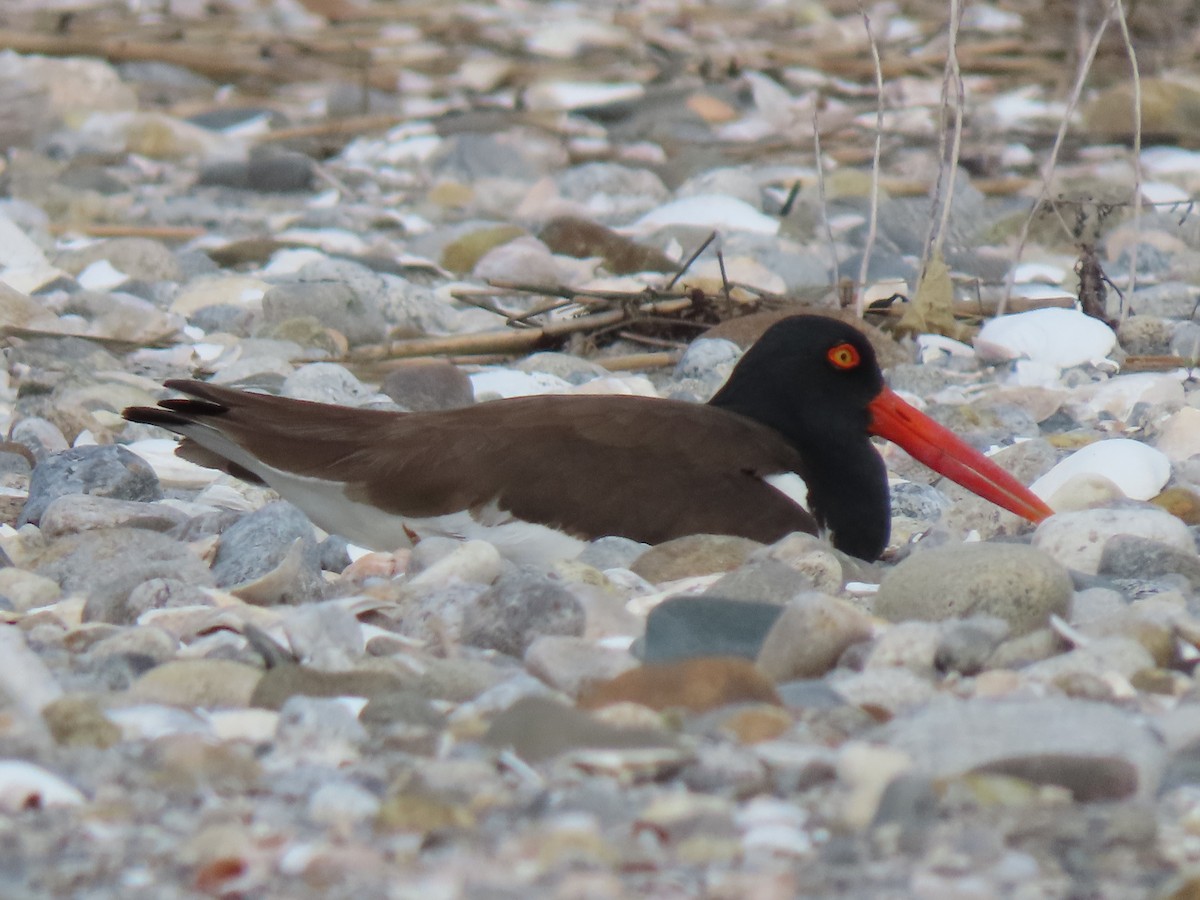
(695, 554)
(811, 558)
(1137, 469)
(1130, 556)
(706, 357)
(918, 501)
(205, 683)
(1077, 539)
(427, 386)
(767, 580)
(40, 436)
(475, 562)
(1145, 335)
(1102, 656)
(524, 260)
(537, 729)
(1057, 337)
(519, 607)
(72, 513)
(335, 305)
(1018, 584)
(25, 590)
(324, 382)
(1179, 436)
(809, 636)
(282, 682)
(1169, 300)
(912, 645)
(107, 471)
(612, 552)
(965, 646)
(1185, 342)
(688, 627)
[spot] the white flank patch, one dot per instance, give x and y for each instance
(791, 486)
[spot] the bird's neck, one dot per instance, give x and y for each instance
(846, 477)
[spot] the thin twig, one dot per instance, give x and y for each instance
(724, 277)
(712, 236)
(833, 260)
(1085, 66)
(1137, 154)
(873, 212)
(952, 76)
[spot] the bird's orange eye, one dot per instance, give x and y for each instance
(844, 356)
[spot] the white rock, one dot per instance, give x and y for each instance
(1139, 470)
(933, 347)
(172, 471)
(1164, 192)
(1118, 396)
(26, 786)
(1076, 539)
(1170, 161)
(577, 94)
(245, 291)
(475, 562)
(150, 721)
(525, 259)
(707, 211)
(1060, 337)
(499, 382)
(1179, 435)
(101, 275)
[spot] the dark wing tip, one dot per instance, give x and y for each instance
(175, 411)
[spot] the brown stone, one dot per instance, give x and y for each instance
(693, 684)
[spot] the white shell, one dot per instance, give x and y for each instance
(1060, 337)
(26, 786)
(1137, 469)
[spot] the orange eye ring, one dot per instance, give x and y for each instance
(844, 356)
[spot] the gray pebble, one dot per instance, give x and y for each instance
(426, 386)
(107, 471)
(259, 543)
(334, 304)
(966, 645)
(1130, 556)
(516, 609)
(612, 552)
(687, 627)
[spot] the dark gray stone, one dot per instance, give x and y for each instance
(1130, 556)
(966, 646)
(260, 542)
(520, 606)
(687, 627)
(106, 471)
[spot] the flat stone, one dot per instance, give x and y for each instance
(1021, 585)
(693, 684)
(280, 683)
(71, 513)
(1130, 556)
(809, 636)
(205, 683)
(695, 554)
(106, 470)
(763, 579)
(688, 627)
(538, 729)
(1072, 743)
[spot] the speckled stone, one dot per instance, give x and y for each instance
(1021, 585)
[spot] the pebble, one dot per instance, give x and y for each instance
(698, 554)
(693, 684)
(25, 786)
(963, 751)
(106, 471)
(518, 608)
(1021, 585)
(809, 637)
(689, 627)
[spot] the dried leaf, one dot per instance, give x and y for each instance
(932, 307)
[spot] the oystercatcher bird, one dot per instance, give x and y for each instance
(538, 475)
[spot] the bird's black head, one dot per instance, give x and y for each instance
(811, 378)
(808, 377)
